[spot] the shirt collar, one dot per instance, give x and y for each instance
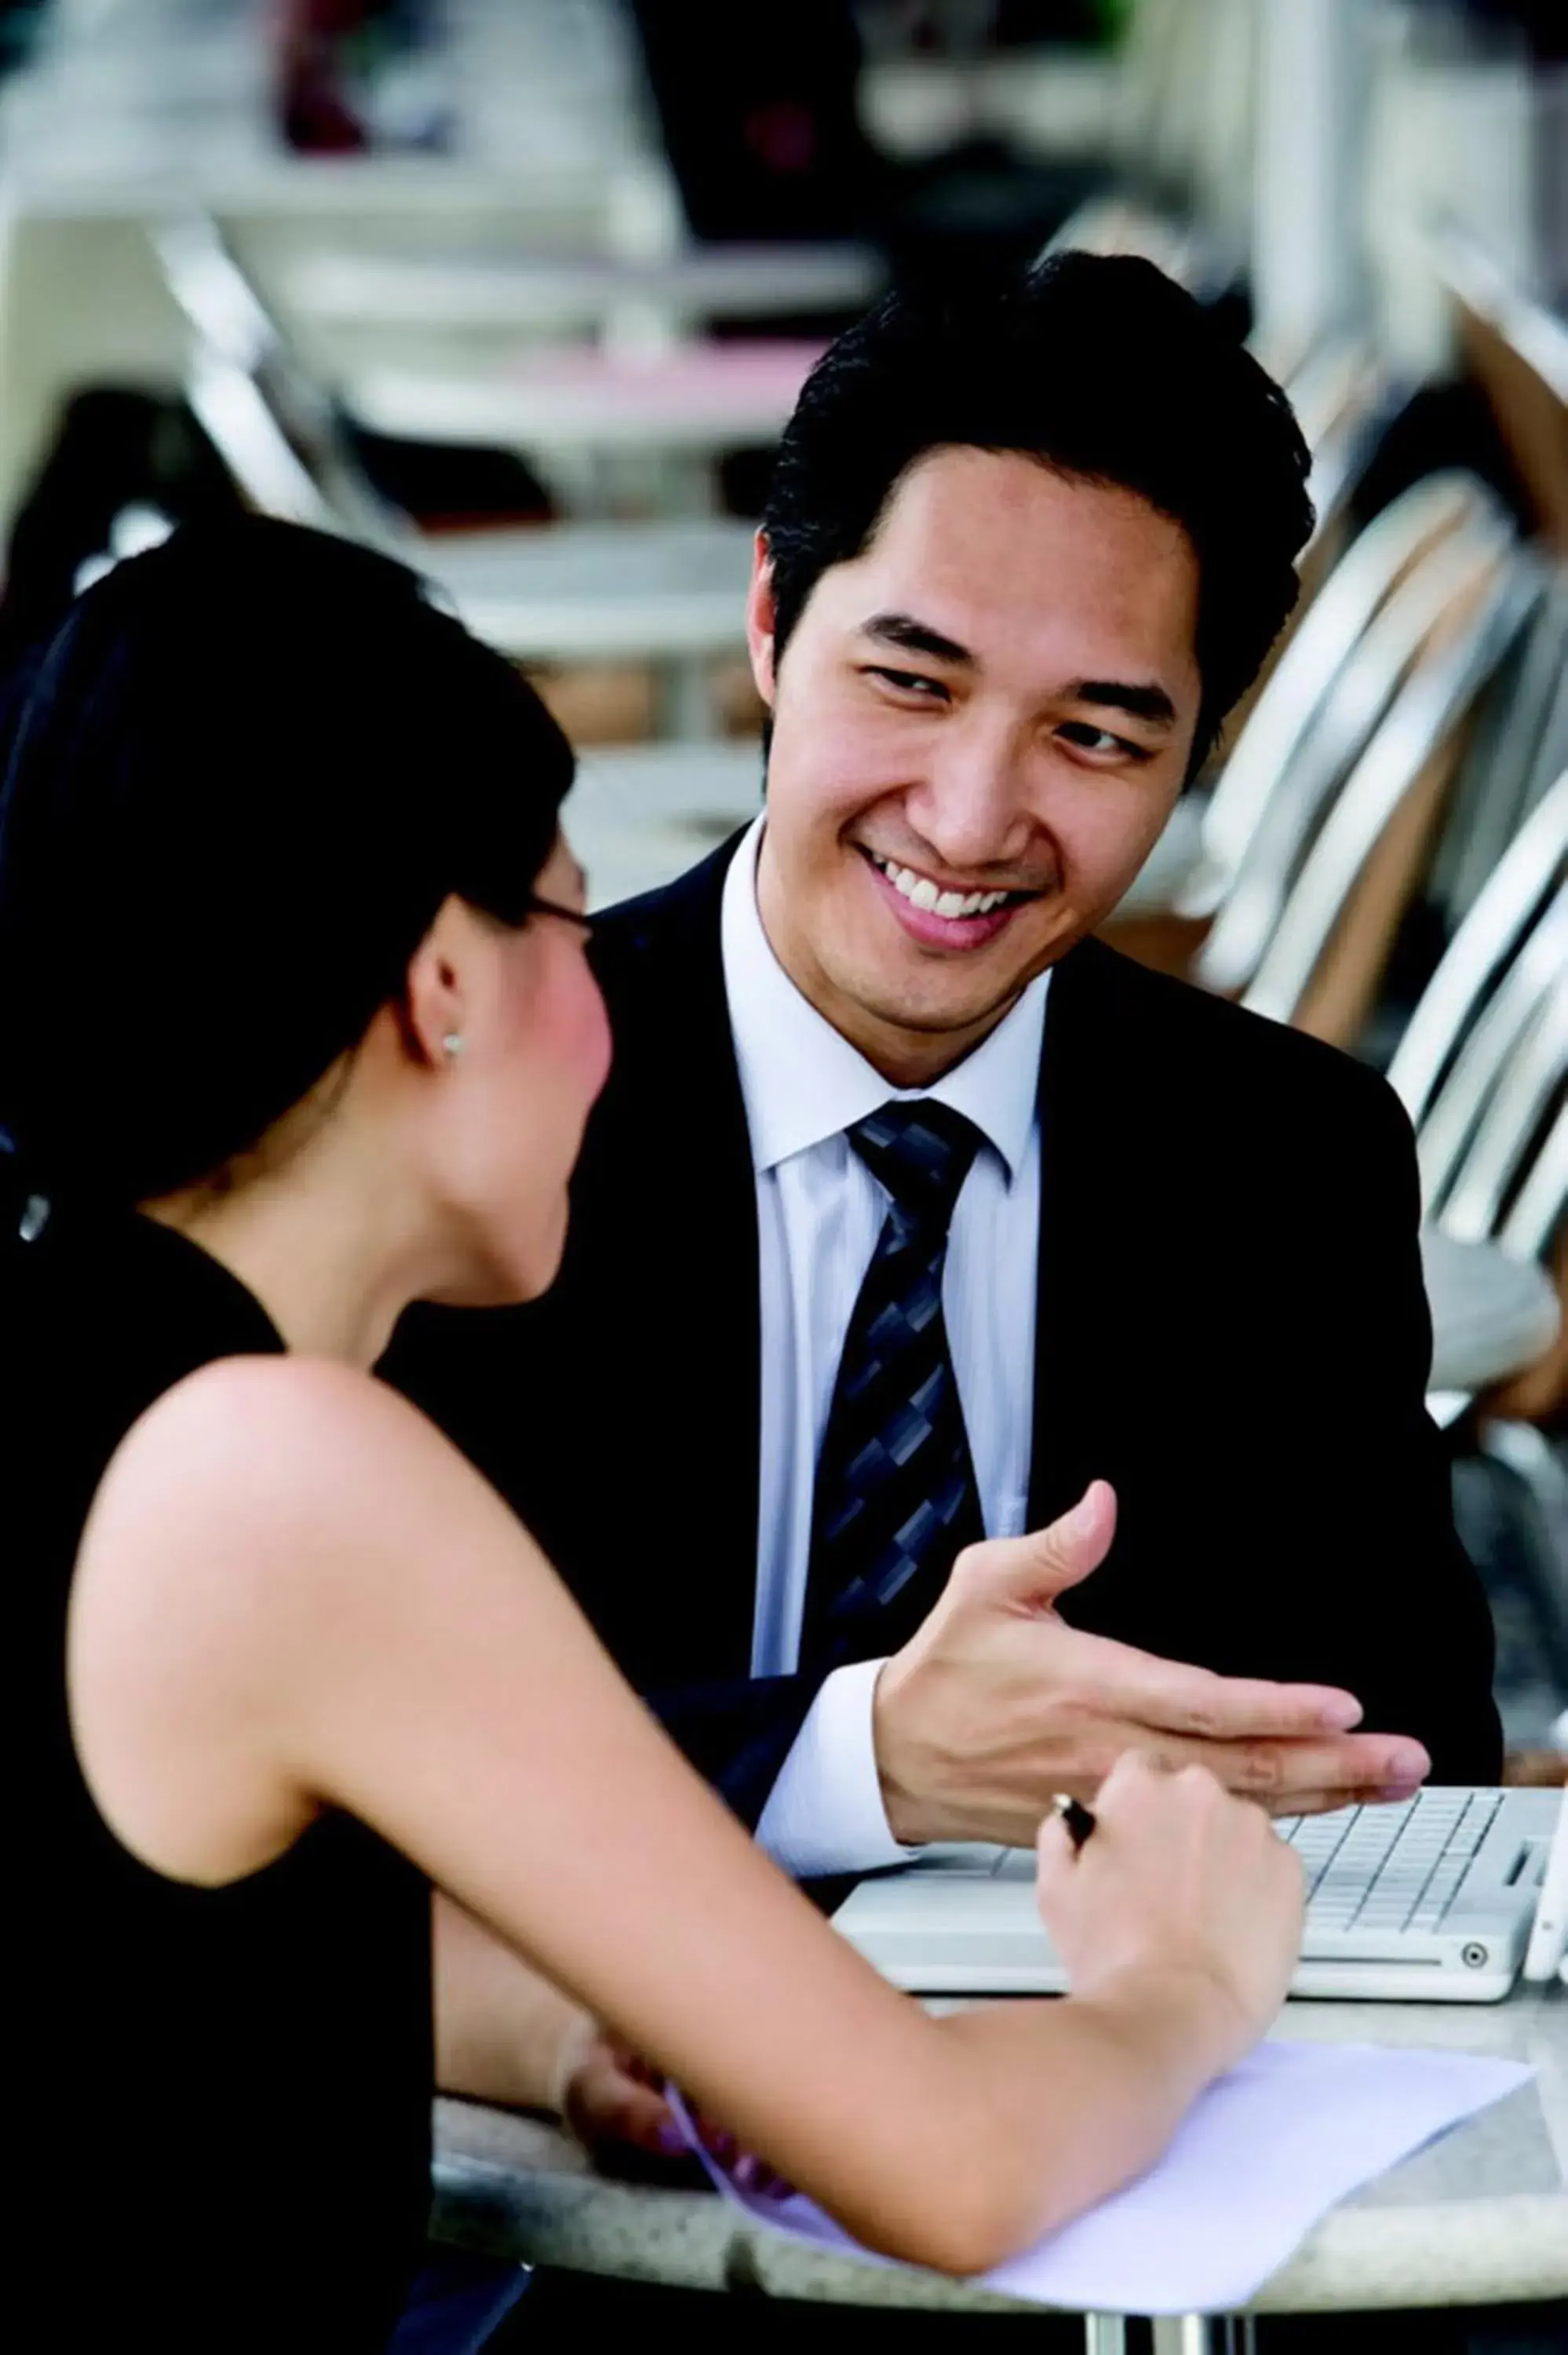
(801, 1080)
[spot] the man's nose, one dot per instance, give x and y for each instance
(971, 804)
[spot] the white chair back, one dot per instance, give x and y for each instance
(1463, 1105)
(1459, 654)
(1506, 1153)
(1321, 645)
(1315, 763)
(273, 426)
(1518, 752)
(1501, 919)
(1537, 1209)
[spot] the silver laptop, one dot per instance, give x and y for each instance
(1430, 1900)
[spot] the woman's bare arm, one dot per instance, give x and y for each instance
(506, 2035)
(503, 2032)
(294, 1593)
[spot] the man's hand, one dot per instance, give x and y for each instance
(995, 1704)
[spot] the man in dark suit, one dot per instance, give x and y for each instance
(914, 1218)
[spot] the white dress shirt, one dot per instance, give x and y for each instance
(819, 1212)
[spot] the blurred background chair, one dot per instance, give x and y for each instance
(670, 592)
(1336, 882)
(1328, 687)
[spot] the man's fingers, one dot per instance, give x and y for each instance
(1230, 1709)
(1172, 1697)
(1323, 1802)
(1031, 1572)
(1271, 1770)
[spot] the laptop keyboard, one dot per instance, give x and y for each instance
(1390, 1868)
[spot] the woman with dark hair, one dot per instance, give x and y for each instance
(296, 1026)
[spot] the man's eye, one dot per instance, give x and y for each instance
(1100, 740)
(911, 682)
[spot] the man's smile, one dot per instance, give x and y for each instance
(939, 914)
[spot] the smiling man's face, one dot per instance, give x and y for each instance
(980, 726)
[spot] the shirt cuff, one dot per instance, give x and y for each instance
(824, 1813)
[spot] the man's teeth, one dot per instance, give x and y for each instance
(921, 892)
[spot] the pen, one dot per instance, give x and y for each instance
(1080, 1823)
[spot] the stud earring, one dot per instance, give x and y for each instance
(452, 1045)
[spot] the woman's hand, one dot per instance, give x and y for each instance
(612, 2099)
(1182, 1890)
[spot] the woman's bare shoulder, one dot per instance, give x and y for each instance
(244, 1410)
(291, 1456)
(269, 1527)
(277, 1397)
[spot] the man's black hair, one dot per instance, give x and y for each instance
(1102, 369)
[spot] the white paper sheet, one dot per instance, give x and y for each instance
(1263, 2154)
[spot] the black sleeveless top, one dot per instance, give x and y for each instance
(219, 2121)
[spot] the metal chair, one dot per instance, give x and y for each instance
(1533, 1153)
(1377, 699)
(1537, 1209)
(1500, 920)
(1518, 351)
(555, 294)
(1326, 951)
(668, 593)
(1495, 1308)
(1258, 764)
(1505, 1152)
(1455, 1112)
(1518, 749)
(1479, 1070)
(1341, 394)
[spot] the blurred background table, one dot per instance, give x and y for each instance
(578, 292)
(694, 402)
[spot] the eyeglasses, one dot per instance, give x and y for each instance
(539, 906)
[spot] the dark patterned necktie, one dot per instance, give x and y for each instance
(896, 1498)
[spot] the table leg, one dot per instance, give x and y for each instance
(1175, 2334)
(1189, 2334)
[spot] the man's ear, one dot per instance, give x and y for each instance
(759, 621)
(432, 1015)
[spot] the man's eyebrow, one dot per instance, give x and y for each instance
(1148, 703)
(913, 637)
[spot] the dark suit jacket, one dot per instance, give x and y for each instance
(1231, 1328)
